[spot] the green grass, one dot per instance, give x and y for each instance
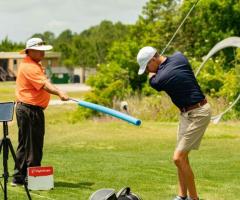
(89, 155)
(7, 91)
(94, 154)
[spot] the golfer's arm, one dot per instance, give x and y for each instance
(50, 88)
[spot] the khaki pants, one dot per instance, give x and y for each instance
(192, 127)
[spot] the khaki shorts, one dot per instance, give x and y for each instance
(192, 126)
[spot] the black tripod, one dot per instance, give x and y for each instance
(6, 114)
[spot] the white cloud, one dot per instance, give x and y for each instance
(55, 24)
(20, 19)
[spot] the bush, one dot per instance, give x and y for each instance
(219, 82)
(159, 107)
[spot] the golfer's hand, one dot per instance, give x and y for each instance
(150, 75)
(63, 96)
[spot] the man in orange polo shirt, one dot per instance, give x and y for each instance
(33, 94)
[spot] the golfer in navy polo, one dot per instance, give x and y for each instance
(173, 74)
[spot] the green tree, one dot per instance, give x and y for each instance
(47, 36)
(124, 53)
(7, 45)
(92, 45)
(157, 23)
(211, 22)
(63, 44)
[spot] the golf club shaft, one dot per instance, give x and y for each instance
(174, 35)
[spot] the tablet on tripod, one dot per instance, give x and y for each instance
(6, 114)
(6, 111)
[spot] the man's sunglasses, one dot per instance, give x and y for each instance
(38, 44)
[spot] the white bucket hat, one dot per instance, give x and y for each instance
(36, 44)
(144, 56)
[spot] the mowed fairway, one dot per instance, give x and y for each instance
(90, 155)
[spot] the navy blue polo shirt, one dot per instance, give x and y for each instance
(176, 78)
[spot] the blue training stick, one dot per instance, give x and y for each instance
(108, 111)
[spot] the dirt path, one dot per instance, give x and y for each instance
(73, 87)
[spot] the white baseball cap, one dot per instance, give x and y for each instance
(36, 44)
(144, 56)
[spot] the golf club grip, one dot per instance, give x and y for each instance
(109, 111)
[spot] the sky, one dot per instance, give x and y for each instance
(19, 19)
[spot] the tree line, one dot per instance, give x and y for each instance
(112, 47)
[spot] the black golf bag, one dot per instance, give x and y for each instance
(109, 194)
(126, 194)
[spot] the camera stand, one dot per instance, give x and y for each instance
(6, 114)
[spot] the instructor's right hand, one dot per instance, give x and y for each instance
(63, 96)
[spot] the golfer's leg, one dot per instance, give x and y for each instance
(182, 186)
(186, 175)
(192, 188)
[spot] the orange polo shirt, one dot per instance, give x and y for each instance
(30, 82)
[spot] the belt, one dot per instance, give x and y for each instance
(197, 105)
(30, 106)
